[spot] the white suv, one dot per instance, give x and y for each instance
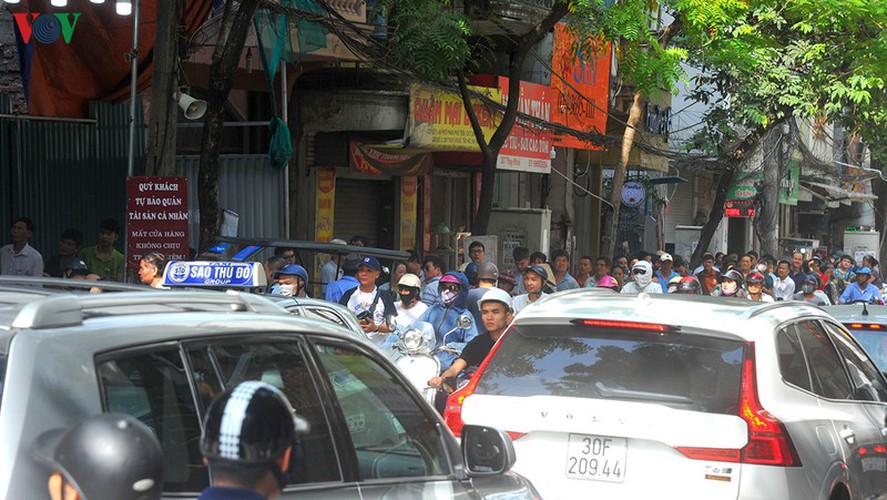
(662, 396)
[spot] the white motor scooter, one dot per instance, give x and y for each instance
(414, 353)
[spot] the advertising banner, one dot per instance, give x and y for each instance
(744, 187)
(528, 147)
(325, 204)
(438, 120)
(579, 101)
(408, 211)
(227, 274)
(156, 218)
(369, 160)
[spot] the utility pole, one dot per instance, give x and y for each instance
(164, 89)
(774, 157)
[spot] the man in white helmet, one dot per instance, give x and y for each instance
(643, 279)
(496, 313)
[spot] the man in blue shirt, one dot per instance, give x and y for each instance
(861, 289)
(665, 272)
(336, 289)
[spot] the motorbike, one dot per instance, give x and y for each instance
(414, 353)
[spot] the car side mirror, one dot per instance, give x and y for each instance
(487, 451)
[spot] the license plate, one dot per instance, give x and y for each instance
(598, 458)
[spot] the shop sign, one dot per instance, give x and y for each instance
(528, 147)
(366, 159)
(739, 208)
(789, 184)
(325, 204)
(744, 187)
(633, 194)
(408, 211)
(438, 120)
(579, 101)
(228, 274)
(156, 218)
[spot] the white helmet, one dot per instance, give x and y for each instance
(410, 280)
(497, 294)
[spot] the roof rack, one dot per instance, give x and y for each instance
(31, 283)
(68, 310)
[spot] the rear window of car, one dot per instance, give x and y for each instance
(680, 370)
(875, 344)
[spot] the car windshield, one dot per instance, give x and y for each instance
(680, 370)
(875, 344)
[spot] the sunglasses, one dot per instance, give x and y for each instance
(450, 287)
(637, 271)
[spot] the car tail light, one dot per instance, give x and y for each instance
(768, 441)
(453, 409)
(624, 325)
(864, 326)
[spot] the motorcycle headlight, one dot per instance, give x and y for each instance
(412, 339)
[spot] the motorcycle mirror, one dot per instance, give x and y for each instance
(465, 322)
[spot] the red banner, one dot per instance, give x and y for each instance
(584, 106)
(157, 218)
(369, 160)
(528, 147)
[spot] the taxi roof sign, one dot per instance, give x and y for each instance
(217, 274)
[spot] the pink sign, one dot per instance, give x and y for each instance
(528, 147)
(157, 218)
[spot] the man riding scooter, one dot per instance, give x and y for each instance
(444, 315)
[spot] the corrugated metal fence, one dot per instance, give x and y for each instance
(65, 174)
(249, 186)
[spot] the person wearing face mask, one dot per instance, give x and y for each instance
(409, 308)
(861, 289)
(444, 315)
(810, 293)
(292, 281)
(642, 271)
(730, 286)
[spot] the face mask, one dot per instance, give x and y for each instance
(728, 287)
(448, 296)
(287, 290)
(409, 297)
(762, 268)
(808, 288)
(643, 279)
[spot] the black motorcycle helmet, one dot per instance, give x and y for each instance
(109, 456)
(689, 285)
(250, 424)
(734, 275)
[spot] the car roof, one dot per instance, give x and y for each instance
(690, 311)
(853, 313)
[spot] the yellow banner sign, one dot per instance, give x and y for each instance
(438, 120)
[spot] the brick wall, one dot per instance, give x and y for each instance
(10, 81)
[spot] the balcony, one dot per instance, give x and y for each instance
(498, 17)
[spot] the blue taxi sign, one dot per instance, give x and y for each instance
(209, 273)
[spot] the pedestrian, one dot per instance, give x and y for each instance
(642, 271)
(619, 272)
(832, 282)
(844, 271)
(709, 274)
(398, 270)
(602, 268)
(19, 258)
(797, 273)
(562, 279)
(487, 276)
(535, 278)
(746, 264)
(871, 262)
(434, 268)
(783, 285)
(679, 266)
(810, 292)
(69, 248)
(507, 281)
(861, 289)
(285, 253)
(151, 267)
(248, 436)
(814, 266)
(292, 280)
(665, 272)
(102, 258)
(371, 305)
(538, 257)
(272, 265)
(585, 270)
(332, 268)
(409, 308)
(444, 316)
(521, 257)
(414, 264)
(348, 281)
(477, 253)
(496, 311)
(109, 456)
(731, 283)
(359, 241)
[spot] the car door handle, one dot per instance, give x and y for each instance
(848, 435)
(883, 431)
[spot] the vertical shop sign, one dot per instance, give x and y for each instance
(326, 202)
(156, 218)
(426, 214)
(579, 96)
(408, 211)
(528, 146)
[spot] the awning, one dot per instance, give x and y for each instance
(835, 193)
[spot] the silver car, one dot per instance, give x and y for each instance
(163, 356)
(673, 396)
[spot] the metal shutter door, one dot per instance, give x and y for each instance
(679, 211)
(357, 209)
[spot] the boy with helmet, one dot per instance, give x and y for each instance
(108, 456)
(755, 284)
(409, 308)
(535, 277)
(495, 309)
(642, 271)
(730, 285)
(247, 442)
(292, 281)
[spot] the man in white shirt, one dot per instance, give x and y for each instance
(371, 305)
(783, 285)
(535, 277)
(19, 258)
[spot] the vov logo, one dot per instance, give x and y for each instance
(46, 28)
